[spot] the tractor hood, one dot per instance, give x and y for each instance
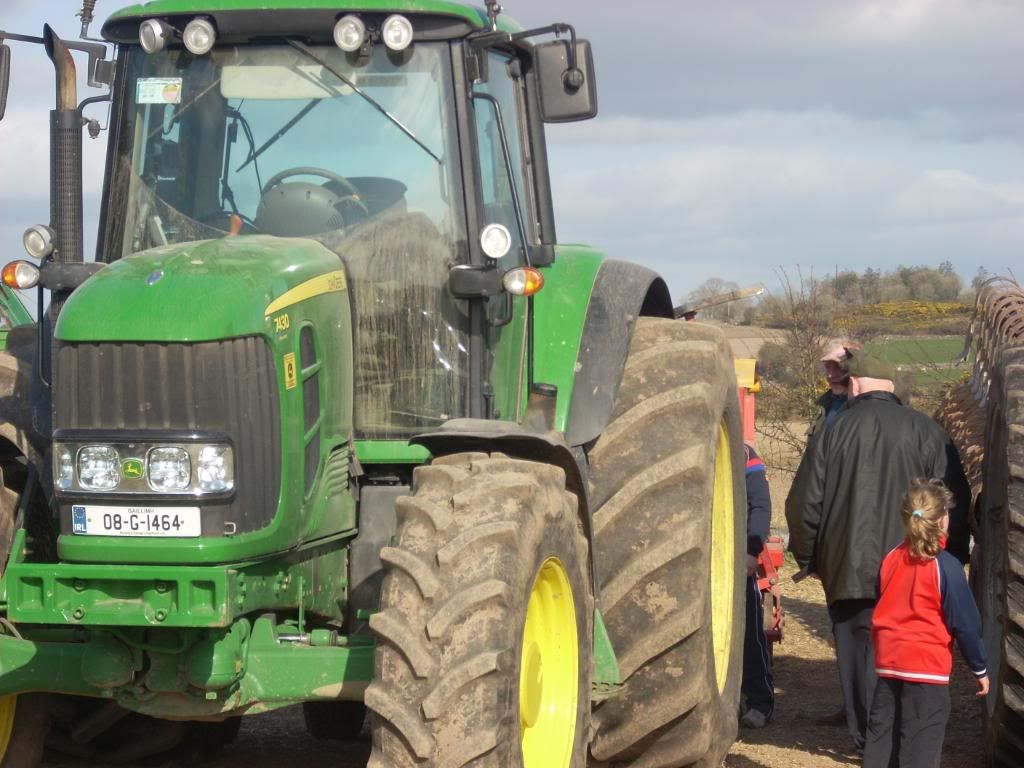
(202, 291)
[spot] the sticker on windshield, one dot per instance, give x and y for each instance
(158, 90)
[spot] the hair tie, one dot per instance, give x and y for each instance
(918, 513)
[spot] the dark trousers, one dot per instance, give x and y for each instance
(851, 628)
(906, 725)
(758, 688)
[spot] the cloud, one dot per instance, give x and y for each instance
(955, 196)
(887, 60)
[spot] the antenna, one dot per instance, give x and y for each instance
(494, 9)
(88, 6)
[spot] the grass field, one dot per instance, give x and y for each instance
(926, 350)
(925, 362)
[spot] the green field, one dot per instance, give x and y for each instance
(925, 363)
(926, 350)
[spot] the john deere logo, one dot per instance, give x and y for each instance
(131, 468)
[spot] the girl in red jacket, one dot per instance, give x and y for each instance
(924, 604)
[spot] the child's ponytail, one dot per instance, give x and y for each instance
(924, 506)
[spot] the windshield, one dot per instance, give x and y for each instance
(308, 141)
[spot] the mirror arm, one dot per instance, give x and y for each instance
(572, 77)
(100, 70)
(20, 38)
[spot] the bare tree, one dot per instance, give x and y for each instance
(791, 374)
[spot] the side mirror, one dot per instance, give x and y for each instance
(5, 76)
(567, 93)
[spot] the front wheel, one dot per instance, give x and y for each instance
(484, 634)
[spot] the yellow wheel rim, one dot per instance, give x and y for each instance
(549, 671)
(723, 553)
(7, 704)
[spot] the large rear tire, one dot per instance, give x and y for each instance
(668, 489)
(485, 628)
(999, 581)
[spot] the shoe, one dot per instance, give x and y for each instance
(754, 718)
(836, 717)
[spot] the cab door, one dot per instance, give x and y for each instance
(498, 106)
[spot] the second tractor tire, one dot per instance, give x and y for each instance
(998, 568)
(668, 490)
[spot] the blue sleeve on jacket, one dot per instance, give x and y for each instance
(759, 503)
(961, 613)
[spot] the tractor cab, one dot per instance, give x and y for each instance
(394, 140)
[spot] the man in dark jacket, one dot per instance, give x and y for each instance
(829, 404)
(849, 518)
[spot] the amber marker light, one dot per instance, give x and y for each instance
(523, 281)
(21, 275)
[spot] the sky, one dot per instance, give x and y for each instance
(734, 139)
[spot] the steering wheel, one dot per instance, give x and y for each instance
(309, 170)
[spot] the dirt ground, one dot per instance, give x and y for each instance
(806, 685)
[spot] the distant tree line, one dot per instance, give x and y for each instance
(841, 291)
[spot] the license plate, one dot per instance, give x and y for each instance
(96, 520)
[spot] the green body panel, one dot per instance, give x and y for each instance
(12, 308)
(390, 452)
(220, 289)
(72, 594)
(475, 16)
(12, 313)
(248, 669)
(560, 312)
(209, 290)
(508, 372)
(606, 665)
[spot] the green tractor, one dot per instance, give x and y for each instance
(334, 420)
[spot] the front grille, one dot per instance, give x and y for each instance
(227, 387)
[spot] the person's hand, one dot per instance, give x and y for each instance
(751, 565)
(982, 686)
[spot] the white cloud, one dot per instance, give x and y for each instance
(955, 196)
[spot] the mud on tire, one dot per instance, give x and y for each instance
(652, 477)
(471, 541)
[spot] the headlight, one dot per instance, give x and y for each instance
(38, 241)
(20, 274)
(154, 35)
(397, 32)
(146, 467)
(98, 468)
(63, 468)
(215, 469)
(350, 33)
(169, 469)
(199, 36)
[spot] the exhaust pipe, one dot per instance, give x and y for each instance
(65, 163)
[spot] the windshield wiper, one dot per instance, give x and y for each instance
(369, 99)
(255, 153)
